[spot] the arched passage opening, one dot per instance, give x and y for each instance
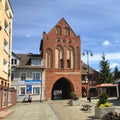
(62, 89)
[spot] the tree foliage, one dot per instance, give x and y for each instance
(116, 73)
(105, 72)
(103, 98)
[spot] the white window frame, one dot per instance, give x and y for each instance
(21, 76)
(6, 26)
(35, 78)
(5, 66)
(36, 62)
(6, 6)
(6, 45)
(35, 92)
(14, 61)
(21, 90)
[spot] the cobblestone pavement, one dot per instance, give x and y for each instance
(55, 110)
(67, 112)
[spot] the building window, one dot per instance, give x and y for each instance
(67, 31)
(64, 40)
(58, 39)
(35, 62)
(6, 27)
(6, 6)
(6, 46)
(23, 76)
(61, 63)
(36, 76)
(7, 9)
(22, 90)
(70, 58)
(12, 76)
(59, 58)
(36, 90)
(70, 41)
(68, 64)
(14, 61)
(5, 66)
(58, 30)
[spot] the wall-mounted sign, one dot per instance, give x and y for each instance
(29, 89)
(21, 82)
(33, 81)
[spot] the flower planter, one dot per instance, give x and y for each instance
(101, 112)
(75, 102)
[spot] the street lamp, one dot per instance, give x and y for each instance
(88, 53)
(41, 87)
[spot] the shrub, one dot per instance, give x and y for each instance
(103, 101)
(74, 96)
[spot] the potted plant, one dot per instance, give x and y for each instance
(74, 99)
(103, 107)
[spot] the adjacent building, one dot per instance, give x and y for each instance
(28, 76)
(89, 81)
(6, 17)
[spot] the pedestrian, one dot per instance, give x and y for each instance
(29, 99)
(89, 99)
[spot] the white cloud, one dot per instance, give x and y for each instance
(106, 43)
(113, 65)
(97, 57)
(112, 56)
(94, 61)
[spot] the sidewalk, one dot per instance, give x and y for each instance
(5, 113)
(54, 110)
(31, 111)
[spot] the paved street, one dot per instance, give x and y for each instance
(54, 110)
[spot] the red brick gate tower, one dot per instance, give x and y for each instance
(61, 53)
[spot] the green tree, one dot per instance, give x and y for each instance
(105, 72)
(116, 73)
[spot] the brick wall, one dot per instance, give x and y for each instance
(72, 75)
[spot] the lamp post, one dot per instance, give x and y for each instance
(41, 93)
(88, 53)
(41, 87)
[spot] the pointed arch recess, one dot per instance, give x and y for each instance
(62, 89)
(70, 58)
(59, 57)
(49, 57)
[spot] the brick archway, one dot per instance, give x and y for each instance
(62, 89)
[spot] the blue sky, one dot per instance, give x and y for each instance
(97, 23)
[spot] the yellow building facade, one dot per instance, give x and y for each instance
(6, 16)
(7, 94)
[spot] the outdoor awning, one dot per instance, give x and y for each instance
(106, 85)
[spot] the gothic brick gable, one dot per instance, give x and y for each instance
(60, 48)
